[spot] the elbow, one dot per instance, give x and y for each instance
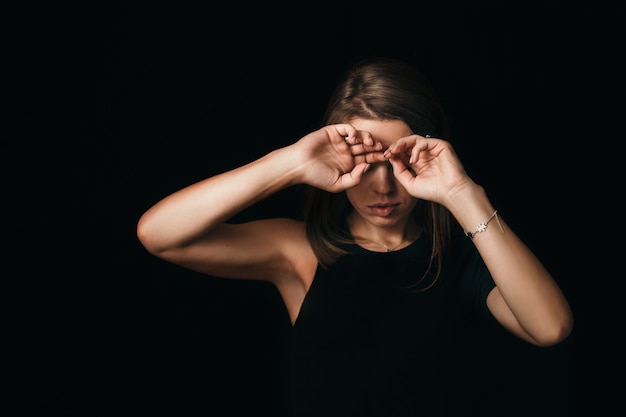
(556, 334)
(146, 237)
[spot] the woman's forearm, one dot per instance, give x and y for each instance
(526, 288)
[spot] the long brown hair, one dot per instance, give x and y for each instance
(379, 89)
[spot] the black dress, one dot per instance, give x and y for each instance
(366, 344)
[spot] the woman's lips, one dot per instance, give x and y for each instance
(382, 210)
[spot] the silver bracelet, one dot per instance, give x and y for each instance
(481, 227)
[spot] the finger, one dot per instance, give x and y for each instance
(347, 131)
(370, 158)
(367, 154)
(352, 178)
(425, 146)
(365, 137)
(360, 148)
(360, 137)
(401, 172)
(410, 146)
(400, 147)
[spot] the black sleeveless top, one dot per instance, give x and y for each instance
(366, 344)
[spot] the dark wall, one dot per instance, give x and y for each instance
(112, 107)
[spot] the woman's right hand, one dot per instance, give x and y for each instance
(335, 157)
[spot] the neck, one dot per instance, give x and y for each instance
(387, 248)
(386, 239)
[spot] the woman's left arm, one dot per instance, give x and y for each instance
(526, 300)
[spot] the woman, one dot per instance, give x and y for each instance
(400, 251)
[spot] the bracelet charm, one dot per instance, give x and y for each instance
(481, 227)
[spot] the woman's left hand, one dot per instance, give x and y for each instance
(428, 168)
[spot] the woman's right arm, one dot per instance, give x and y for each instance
(188, 227)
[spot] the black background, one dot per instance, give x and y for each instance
(113, 106)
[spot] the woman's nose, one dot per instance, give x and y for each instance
(382, 178)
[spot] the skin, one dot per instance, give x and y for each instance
(384, 169)
(382, 206)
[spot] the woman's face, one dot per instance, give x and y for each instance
(380, 199)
